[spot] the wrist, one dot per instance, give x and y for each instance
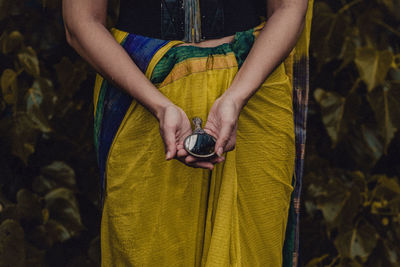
(160, 110)
(236, 96)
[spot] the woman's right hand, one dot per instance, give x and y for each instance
(174, 128)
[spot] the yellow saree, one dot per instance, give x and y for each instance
(163, 213)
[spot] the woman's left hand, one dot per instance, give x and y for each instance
(222, 123)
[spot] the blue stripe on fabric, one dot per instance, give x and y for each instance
(142, 49)
(116, 102)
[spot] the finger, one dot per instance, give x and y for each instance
(191, 159)
(200, 164)
(179, 147)
(204, 165)
(217, 160)
(214, 160)
(170, 143)
(223, 139)
(181, 153)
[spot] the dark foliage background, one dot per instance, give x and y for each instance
(49, 187)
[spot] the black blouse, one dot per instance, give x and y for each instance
(164, 19)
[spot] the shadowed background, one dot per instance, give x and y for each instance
(49, 184)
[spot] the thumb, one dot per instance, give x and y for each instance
(170, 144)
(223, 139)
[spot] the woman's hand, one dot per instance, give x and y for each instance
(174, 128)
(222, 123)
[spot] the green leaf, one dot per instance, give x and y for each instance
(373, 65)
(331, 196)
(12, 249)
(357, 243)
(70, 76)
(386, 107)
(387, 189)
(34, 99)
(63, 207)
(372, 142)
(348, 52)
(48, 234)
(317, 261)
(9, 86)
(23, 136)
(29, 61)
(364, 145)
(9, 211)
(29, 207)
(391, 184)
(11, 42)
(392, 6)
(57, 174)
(332, 109)
(329, 31)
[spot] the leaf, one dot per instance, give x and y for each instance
(48, 234)
(331, 196)
(29, 61)
(348, 52)
(70, 76)
(23, 136)
(329, 31)
(317, 261)
(373, 65)
(34, 99)
(386, 107)
(63, 207)
(332, 109)
(350, 209)
(373, 142)
(392, 6)
(29, 207)
(363, 145)
(10, 211)
(57, 174)
(393, 256)
(357, 243)
(12, 249)
(11, 42)
(390, 184)
(9, 86)
(387, 193)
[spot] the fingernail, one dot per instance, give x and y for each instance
(219, 152)
(168, 155)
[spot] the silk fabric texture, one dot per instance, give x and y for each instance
(163, 213)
